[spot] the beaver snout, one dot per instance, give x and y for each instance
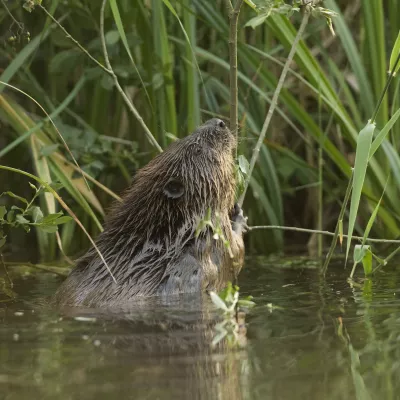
(220, 123)
(215, 123)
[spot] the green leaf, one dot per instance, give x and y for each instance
(360, 168)
(48, 150)
(256, 21)
(364, 254)
(394, 55)
(21, 220)
(219, 303)
(112, 38)
(50, 218)
(62, 220)
(48, 228)
(359, 252)
(36, 213)
(3, 212)
(243, 164)
(10, 216)
(3, 241)
(15, 196)
(64, 62)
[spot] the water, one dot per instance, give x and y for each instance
(319, 340)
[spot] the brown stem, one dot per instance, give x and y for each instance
(233, 25)
(274, 102)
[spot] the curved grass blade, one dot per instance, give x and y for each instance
(360, 168)
(393, 57)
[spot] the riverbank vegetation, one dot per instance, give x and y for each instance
(120, 89)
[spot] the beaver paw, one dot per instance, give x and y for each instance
(239, 221)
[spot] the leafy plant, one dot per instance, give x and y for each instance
(27, 215)
(229, 303)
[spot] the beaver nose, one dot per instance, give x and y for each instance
(220, 123)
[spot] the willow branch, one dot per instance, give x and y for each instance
(129, 104)
(274, 102)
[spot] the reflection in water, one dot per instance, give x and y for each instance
(319, 340)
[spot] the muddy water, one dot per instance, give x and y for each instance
(307, 338)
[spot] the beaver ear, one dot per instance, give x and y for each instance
(173, 189)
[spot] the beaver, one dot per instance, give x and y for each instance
(157, 241)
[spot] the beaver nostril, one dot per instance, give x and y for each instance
(221, 123)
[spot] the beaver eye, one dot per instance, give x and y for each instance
(173, 188)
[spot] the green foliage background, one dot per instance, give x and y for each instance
(330, 93)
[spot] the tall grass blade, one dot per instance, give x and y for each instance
(394, 55)
(360, 169)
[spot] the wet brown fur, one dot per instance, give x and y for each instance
(149, 239)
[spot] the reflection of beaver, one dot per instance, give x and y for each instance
(150, 240)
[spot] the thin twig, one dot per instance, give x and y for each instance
(318, 232)
(20, 24)
(233, 23)
(131, 107)
(274, 102)
(68, 36)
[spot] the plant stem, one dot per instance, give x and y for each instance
(274, 102)
(319, 232)
(74, 40)
(341, 215)
(385, 90)
(233, 23)
(129, 104)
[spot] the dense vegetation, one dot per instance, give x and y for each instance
(171, 59)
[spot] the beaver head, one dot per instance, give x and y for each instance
(152, 232)
(179, 185)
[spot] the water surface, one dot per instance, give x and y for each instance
(307, 338)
